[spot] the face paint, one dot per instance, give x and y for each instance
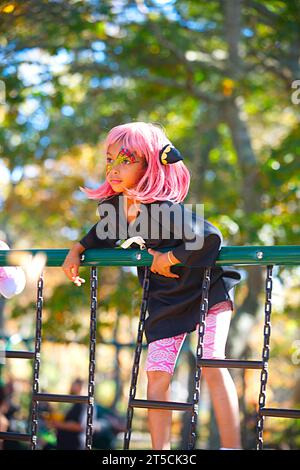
(123, 155)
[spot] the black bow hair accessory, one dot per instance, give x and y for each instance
(169, 154)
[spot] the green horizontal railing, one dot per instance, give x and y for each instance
(287, 255)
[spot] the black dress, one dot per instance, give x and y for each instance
(173, 304)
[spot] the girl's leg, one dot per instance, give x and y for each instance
(226, 407)
(159, 421)
(160, 364)
(221, 386)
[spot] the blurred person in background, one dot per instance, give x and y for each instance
(70, 431)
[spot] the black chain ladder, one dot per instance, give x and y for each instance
(154, 404)
(262, 411)
(133, 402)
(265, 359)
(137, 356)
(92, 359)
(48, 397)
(37, 361)
(198, 372)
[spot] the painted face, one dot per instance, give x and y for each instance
(124, 156)
(123, 168)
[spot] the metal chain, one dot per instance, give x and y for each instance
(265, 359)
(37, 360)
(198, 371)
(92, 359)
(138, 350)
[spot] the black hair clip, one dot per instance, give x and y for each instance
(169, 154)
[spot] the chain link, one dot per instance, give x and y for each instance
(137, 355)
(138, 350)
(37, 360)
(198, 371)
(92, 359)
(265, 359)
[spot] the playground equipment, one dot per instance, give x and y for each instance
(253, 255)
(35, 355)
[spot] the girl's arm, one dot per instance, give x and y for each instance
(205, 256)
(200, 240)
(72, 261)
(208, 254)
(91, 240)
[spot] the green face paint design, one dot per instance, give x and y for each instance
(124, 156)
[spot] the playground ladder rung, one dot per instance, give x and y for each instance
(230, 363)
(60, 398)
(280, 413)
(14, 436)
(162, 405)
(19, 354)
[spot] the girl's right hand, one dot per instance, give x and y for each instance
(71, 266)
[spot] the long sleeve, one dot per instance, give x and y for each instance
(200, 240)
(103, 233)
(206, 256)
(91, 240)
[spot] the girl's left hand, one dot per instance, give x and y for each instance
(161, 264)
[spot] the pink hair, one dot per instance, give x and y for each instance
(160, 182)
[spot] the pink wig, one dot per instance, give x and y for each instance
(160, 182)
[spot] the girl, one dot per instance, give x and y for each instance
(12, 278)
(143, 170)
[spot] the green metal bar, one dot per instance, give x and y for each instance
(229, 255)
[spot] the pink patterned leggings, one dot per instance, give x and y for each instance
(163, 353)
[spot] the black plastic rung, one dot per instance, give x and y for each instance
(14, 436)
(19, 354)
(230, 363)
(162, 405)
(280, 413)
(60, 398)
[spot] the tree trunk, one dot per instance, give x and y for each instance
(236, 120)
